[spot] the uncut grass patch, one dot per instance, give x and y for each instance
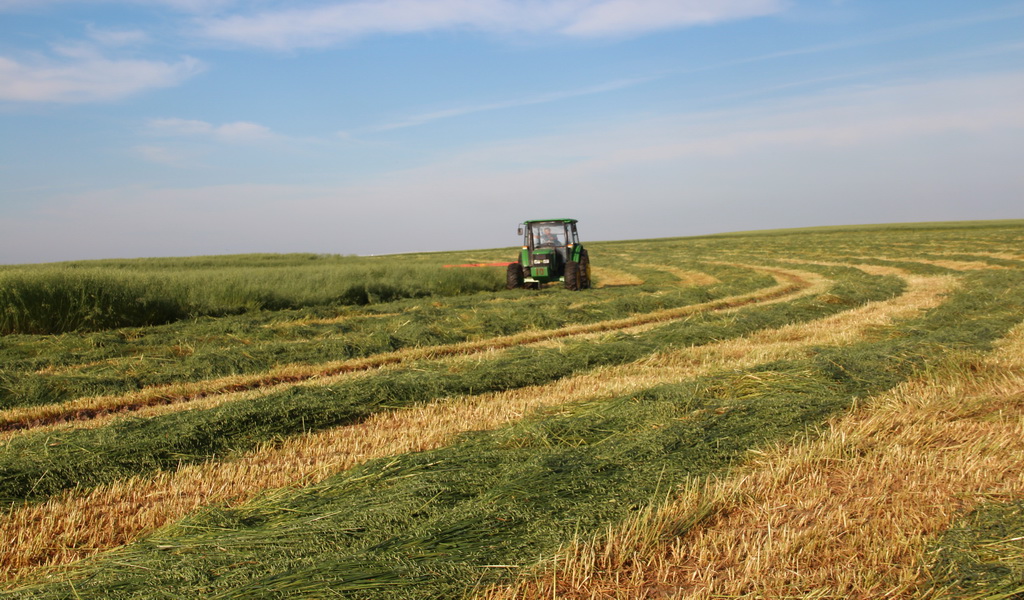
(101, 295)
(58, 300)
(35, 466)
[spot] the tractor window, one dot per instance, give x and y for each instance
(551, 235)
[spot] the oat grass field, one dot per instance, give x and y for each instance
(832, 412)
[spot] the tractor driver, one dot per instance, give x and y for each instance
(549, 239)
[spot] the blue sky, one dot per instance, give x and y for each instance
(184, 127)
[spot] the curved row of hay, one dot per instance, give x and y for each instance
(766, 349)
(852, 513)
(789, 284)
(69, 523)
(164, 360)
(80, 518)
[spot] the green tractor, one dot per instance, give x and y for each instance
(551, 252)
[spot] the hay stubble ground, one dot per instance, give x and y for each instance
(872, 485)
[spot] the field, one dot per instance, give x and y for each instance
(815, 413)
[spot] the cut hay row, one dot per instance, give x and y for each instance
(330, 320)
(686, 277)
(998, 255)
(77, 524)
(611, 277)
(38, 465)
(41, 370)
(848, 514)
(818, 286)
(634, 417)
(790, 283)
(423, 524)
(952, 265)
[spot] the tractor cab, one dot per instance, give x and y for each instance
(551, 252)
(560, 235)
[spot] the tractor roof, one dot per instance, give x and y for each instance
(549, 221)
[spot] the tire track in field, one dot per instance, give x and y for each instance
(74, 525)
(789, 283)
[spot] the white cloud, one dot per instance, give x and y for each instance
(81, 74)
(625, 17)
(184, 127)
(117, 37)
(924, 150)
(339, 22)
(161, 155)
(191, 6)
(239, 131)
(187, 6)
(242, 131)
(524, 101)
(863, 117)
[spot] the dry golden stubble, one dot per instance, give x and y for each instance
(983, 255)
(76, 525)
(81, 411)
(870, 269)
(815, 284)
(953, 265)
(610, 277)
(847, 514)
(330, 320)
(686, 277)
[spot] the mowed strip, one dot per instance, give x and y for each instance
(75, 524)
(789, 283)
(610, 277)
(952, 265)
(685, 277)
(818, 285)
(848, 514)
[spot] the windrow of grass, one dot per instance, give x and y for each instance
(73, 525)
(910, 241)
(791, 284)
(445, 522)
(847, 513)
(36, 466)
(44, 370)
(982, 556)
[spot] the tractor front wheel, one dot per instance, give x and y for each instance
(572, 275)
(514, 276)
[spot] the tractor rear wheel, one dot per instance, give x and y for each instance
(514, 276)
(572, 275)
(584, 271)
